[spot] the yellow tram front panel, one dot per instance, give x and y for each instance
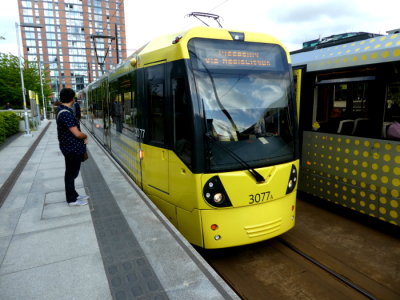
(258, 212)
(250, 219)
(239, 226)
(270, 214)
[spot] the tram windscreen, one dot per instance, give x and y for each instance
(244, 91)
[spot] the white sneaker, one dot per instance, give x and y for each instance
(82, 197)
(78, 203)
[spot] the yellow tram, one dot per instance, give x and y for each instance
(205, 123)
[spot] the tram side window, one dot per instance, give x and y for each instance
(391, 125)
(343, 108)
(156, 99)
(127, 97)
(128, 109)
(182, 123)
(117, 111)
(330, 108)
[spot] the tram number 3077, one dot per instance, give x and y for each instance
(260, 197)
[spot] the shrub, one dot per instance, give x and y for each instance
(9, 125)
(2, 129)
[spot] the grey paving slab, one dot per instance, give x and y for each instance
(48, 174)
(15, 200)
(31, 218)
(46, 247)
(13, 152)
(78, 278)
(8, 221)
(55, 206)
(4, 243)
(53, 164)
(51, 184)
(56, 196)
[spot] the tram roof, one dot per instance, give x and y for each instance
(370, 51)
(150, 52)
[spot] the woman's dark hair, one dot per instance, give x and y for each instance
(67, 95)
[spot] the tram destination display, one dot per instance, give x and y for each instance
(233, 54)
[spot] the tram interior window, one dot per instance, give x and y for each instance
(392, 111)
(132, 110)
(98, 104)
(345, 102)
(393, 102)
(127, 105)
(156, 100)
(126, 102)
(183, 145)
(155, 77)
(117, 111)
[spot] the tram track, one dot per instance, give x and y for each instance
(327, 269)
(308, 263)
(284, 274)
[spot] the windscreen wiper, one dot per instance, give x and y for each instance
(221, 106)
(257, 176)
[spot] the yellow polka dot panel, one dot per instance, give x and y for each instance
(368, 183)
(369, 51)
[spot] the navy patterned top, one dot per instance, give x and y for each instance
(69, 144)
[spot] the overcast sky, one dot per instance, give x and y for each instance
(291, 21)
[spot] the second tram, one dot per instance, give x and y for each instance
(205, 123)
(350, 96)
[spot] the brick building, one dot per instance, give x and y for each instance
(76, 39)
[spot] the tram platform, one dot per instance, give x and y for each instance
(117, 247)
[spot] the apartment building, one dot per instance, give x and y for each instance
(75, 41)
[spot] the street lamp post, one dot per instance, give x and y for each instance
(41, 86)
(39, 66)
(27, 130)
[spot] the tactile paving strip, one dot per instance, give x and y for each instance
(128, 271)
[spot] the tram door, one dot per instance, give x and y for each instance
(155, 164)
(106, 115)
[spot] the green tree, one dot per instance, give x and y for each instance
(10, 84)
(10, 81)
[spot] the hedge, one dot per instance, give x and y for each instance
(9, 125)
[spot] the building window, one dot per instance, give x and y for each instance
(26, 4)
(28, 20)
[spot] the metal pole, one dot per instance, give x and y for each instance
(32, 25)
(41, 86)
(116, 42)
(37, 99)
(27, 129)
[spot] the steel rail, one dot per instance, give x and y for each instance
(327, 269)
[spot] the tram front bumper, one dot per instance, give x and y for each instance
(250, 224)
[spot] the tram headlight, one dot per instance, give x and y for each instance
(292, 180)
(215, 194)
(237, 36)
(218, 198)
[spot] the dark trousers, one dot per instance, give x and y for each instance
(72, 167)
